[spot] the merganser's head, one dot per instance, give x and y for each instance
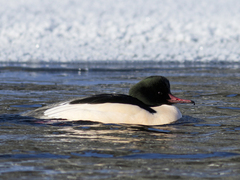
(155, 91)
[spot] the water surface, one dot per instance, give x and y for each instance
(203, 144)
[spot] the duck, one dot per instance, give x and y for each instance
(150, 102)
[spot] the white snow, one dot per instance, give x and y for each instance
(86, 30)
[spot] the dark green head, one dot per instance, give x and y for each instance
(155, 91)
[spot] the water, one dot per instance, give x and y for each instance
(203, 144)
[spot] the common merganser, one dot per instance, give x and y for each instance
(149, 103)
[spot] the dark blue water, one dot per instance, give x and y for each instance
(203, 144)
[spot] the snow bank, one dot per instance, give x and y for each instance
(86, 30)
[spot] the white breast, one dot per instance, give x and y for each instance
(114, 113)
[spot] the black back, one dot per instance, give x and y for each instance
(113, 98)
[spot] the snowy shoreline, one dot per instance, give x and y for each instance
(110, 30)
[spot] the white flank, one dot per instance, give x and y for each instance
(114, 113)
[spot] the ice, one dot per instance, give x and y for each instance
(110, 30)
